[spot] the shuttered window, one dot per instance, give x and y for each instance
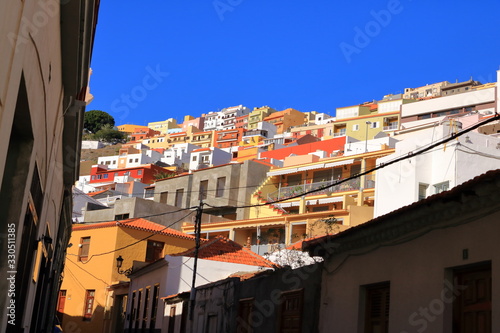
(377, 308)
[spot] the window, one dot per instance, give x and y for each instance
(139, 172)
(178, 197)
(149, 193)
(164, 197)
(122, 216)
(472, 307)
(154, 307)
(355, 127)
(171, 320)
(145, 312)
(244, 320)
(355, 169)
(154, 250)
(136, 160)
(138, 309)
(105, 176)
(93, 177)
(377, 304)
(194, 158)
(221, 183)
(130, 160)
(422, 191)
(322, 176)
(203, 190)
(375, 124)
(132, 311)
(441, 187)
(83, 253)
(88, 305)
(294, 180)
(291, 311)
(61, 300)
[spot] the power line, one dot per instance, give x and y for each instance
(410, 154)
(139, 217)
(138, 241)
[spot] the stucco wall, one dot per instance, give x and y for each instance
(418, 278)
(457, 162)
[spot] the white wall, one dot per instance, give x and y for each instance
(397, 184)
(449, 102)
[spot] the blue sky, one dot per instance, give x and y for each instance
(154, 60)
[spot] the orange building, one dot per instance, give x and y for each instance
(93, 292)
(285, 119)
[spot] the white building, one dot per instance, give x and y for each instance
(178, 154)
(218, 258)
(440, 169)
(230, 114)
(208, 157)
(130, 160)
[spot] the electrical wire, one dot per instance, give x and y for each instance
(136, 242)
(410, 154)
(139, 217)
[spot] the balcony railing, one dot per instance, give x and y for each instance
(296, 190)
(391, 126)
(337, 134)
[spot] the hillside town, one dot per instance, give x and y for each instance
(269, 185)
(381, 218)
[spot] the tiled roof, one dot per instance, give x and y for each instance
(225, 250)
(137, 224)
(201, 149)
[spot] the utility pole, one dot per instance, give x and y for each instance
(197, 233)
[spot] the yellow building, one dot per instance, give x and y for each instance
(203, 139)
(91, 298)
(363, 122)
(301, 213)
(258, 115)
(163, 126)
(130, 128)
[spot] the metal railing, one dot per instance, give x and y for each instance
(392, 126)
(292, 191)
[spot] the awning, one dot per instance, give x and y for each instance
(338, 163)
(312, 167)
(288, 204)
(281, 172)
(329, 200)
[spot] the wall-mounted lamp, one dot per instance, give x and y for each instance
(119, 262)
(467, 139)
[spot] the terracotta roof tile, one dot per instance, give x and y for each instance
(137, 224)
(223, 249)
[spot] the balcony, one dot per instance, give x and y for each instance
(391, 127)
(340, 133)
(292, 191)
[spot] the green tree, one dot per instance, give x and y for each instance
(94, 120)
(110, 134)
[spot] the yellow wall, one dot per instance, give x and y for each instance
(100, 271)
(129, 128)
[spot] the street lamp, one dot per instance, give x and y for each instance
(119, 262)
(366, 136)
